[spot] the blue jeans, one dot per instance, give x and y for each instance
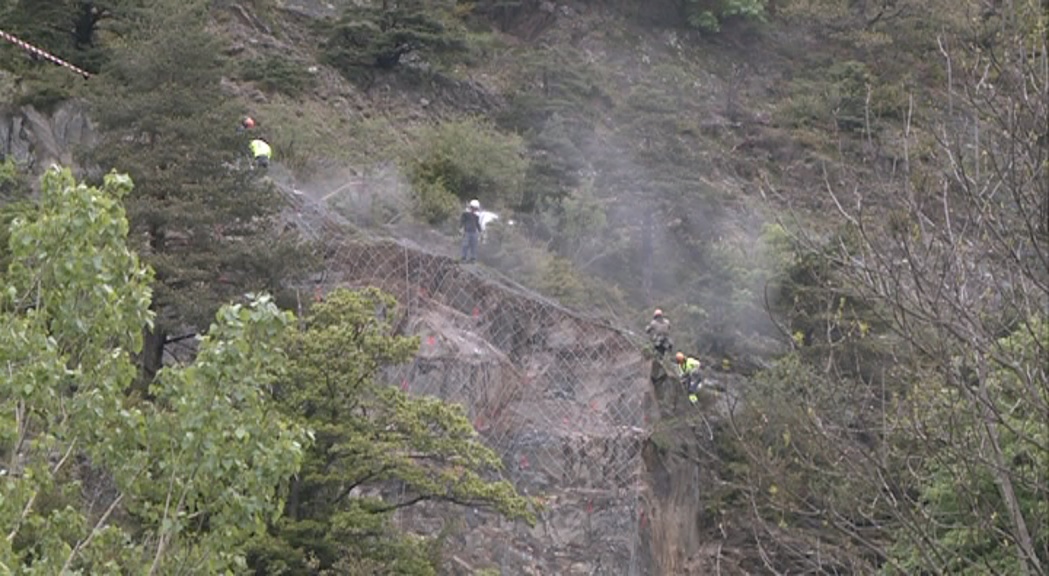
(469, 252)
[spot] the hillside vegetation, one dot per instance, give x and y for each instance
(846, 202)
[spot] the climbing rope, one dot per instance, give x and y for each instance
(43, 54)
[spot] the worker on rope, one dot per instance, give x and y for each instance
(260, 151)
(470, 227)
(246, 124)
(659, 333)
(691, 378)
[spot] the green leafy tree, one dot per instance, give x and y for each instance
(367, 436)
(14, 200)
(460, 160)
(921, 448)
(962, 510)
(78, 31)
(379, 35)
(710, 14)
(178, 484)
(201, 219)
(68, 28)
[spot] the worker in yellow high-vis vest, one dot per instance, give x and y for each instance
(261, 152)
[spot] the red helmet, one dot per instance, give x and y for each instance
(657, 313)
(249, 122)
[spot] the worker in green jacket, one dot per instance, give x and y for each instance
(691, 377)
(260, 151)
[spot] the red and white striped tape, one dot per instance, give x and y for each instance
(45, 55)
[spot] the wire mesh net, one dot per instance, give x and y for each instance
(560, 397)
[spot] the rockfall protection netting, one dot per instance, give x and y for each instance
(560, 397)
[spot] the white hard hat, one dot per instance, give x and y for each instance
(475, 203)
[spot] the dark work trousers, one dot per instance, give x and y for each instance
(469, 253)
(693, 382)
(662, 344)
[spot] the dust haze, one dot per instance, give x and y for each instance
(655, 228)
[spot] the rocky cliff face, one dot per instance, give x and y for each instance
(36, 139)
(630, 472)
(684, 470)
(581, 417)
(570, 402)
(561, 397)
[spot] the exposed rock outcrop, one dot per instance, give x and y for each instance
(627, 469)
(35, 139)
(560, 397)
(684, 454)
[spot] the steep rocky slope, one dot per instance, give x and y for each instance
(560, 396)
(582, 417)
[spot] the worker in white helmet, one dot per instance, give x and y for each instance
(470, 227)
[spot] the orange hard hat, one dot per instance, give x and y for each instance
(679, 357)
(249, 122)
(657, 313)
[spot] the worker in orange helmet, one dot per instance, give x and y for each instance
(246, 124)
(691, 378)
(659, 333)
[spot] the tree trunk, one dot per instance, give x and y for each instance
(294, 495)
(1025, 552)
(150, 361)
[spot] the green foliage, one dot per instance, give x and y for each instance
(513, 251)
(275, 73)
(709, 15)
(839, 97)
(368, 435)
(433, 202)
(74, 30)
(962, 507)
(13, 184)
(465, 159)
(308, 135)
(578, 222)
(848, 93)
(49, 25)
(183, 482)
(205, 224)
(380, 36)
(555, 104)
(555, 162)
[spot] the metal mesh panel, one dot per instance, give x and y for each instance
(558, 396)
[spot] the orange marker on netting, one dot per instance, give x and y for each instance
(431, 341)
(523, 462)
(589, 506)
(476, 312)
(404, 385)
